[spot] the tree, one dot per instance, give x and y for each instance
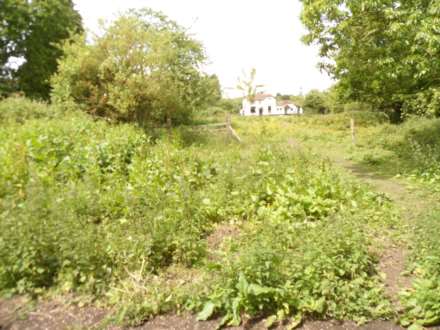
(248, 86)
(14, 22)
(315, 102)
(383, 52)
(30, 31)
(213, 89)
(144, 68)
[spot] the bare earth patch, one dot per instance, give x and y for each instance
(15, 315)
(218, 236)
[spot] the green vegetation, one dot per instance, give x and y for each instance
(422, 301)
(111, 212)
(410, 149)
(410, 152)
(115, 193)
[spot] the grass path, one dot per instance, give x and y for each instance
(412, 202)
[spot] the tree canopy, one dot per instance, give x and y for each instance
(384, 52)
(144, 68)
(29, 33)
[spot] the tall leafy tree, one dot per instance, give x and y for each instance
(384, 52)
(14, 26)
(248, 86)
(29, 33)
(144, 68)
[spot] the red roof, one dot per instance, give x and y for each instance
(261, 96)
(283, 103)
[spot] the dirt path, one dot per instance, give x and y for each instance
(412, 203)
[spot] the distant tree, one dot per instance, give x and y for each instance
(334, 101)
(213, 89)
(230, 105)
(144, 68)
(315, 102)
(29, 33)
(247, 85)
(298, 100)
(284, 97)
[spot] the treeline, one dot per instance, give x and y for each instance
(325, 102)
(143, 68)
(382, 52)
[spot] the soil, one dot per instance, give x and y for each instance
(220, 233)
(57, 316)
(17, 314)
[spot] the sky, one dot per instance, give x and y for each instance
(237, 35)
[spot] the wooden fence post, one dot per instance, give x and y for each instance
(228, 120)
(353, 132)
(230, 129)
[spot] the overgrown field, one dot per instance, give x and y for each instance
(409, 151)
(166, 221)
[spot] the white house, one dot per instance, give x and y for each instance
(266, 105)
(289, 108)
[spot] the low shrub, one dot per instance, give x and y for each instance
(342, 120)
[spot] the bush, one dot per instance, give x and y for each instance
(413, 146)
(293, 271)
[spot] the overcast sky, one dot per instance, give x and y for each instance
(237, 35)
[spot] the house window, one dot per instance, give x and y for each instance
(253, 109)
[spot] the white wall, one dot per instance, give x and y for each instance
(264, 105)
